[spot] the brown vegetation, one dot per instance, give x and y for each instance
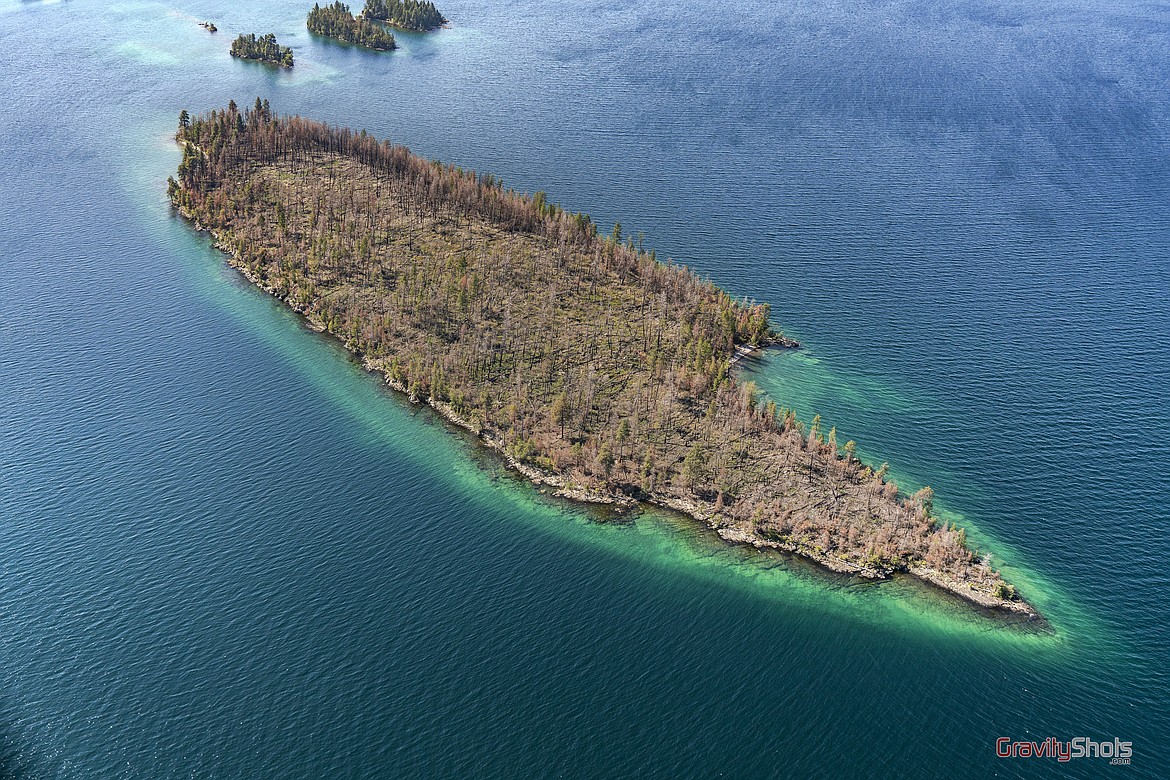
(586, 359)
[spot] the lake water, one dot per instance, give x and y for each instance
(225, 551)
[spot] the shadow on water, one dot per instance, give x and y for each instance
(13, 764)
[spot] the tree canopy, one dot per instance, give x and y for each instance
(335, 21)
(416, 15)
(265, 48)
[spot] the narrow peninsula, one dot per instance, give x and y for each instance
(335, 21)
(411, 15)
(591, 365)
(263, 49)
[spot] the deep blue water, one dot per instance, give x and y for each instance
(225, 551)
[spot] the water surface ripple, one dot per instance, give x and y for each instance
(227, 552)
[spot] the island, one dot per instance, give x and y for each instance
(594, 368)
(264, 49)
(335, 21)
(411, 15)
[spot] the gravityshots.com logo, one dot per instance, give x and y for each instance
(1116, 751)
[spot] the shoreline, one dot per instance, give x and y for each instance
(730, 532)
(262, 61)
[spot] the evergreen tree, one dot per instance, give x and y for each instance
(263, 49)
(405, 14)
(335, 21)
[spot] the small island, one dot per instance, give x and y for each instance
(592, 367)
(335, 21)
(411, 15)
(263, 49)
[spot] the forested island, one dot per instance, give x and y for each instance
(594, 367)
(265, 49)
(335, 21)
(405, 14)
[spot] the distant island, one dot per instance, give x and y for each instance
(593, 367)
(405, 14)
(335, 21)
(265, 49)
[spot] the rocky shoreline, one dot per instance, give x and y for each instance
(729, 531)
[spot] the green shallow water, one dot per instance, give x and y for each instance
(228, 551)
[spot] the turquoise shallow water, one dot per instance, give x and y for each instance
(225, 551)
